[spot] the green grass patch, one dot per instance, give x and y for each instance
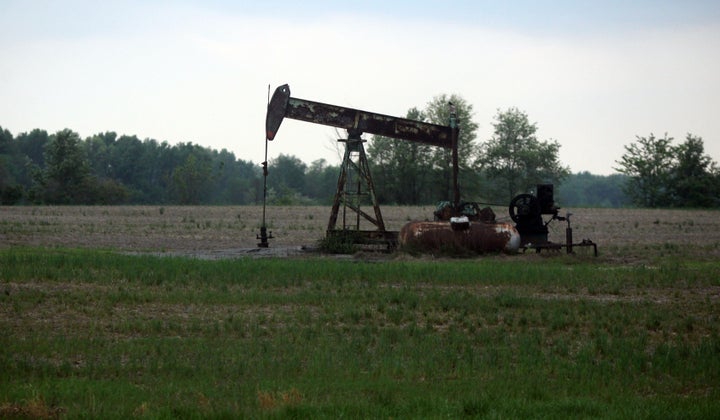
(100, 334)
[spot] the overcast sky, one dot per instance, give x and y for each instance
(591, 74)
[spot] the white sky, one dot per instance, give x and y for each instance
(591, 74)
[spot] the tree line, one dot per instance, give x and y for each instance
(61, 168)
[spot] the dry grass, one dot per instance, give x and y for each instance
(273, 401)
(31, 409)
(172, 228)
(215, 228)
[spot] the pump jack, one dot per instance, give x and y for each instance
(354, 165)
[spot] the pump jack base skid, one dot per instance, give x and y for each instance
(372, 238)
(552, 246)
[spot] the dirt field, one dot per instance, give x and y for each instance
(227, 231)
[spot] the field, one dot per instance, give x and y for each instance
(118, 312)
(231, 231)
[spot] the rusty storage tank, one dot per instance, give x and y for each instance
(459, 235)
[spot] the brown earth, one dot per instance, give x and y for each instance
(226, 231)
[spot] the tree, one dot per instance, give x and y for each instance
(438, 111)
(401, 169)
(286, 180)
(695, 179)
(10, 190)
(514, 160)
(32, 144)
(663, 175)
(97, 149)
(648, 163)
(66, 178)
(321, 181)
(7, 142)
(407, 172)
(124, 162)
(192, 179)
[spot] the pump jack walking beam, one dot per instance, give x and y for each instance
(283, 106)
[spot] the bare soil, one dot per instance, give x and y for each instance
(229, 231)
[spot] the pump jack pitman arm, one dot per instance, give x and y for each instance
(282, 105)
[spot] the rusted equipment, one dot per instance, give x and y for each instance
(459, 236)
(461, 226)
(569, 245)
(355, 163)
(282, 105)
(526, 210)
(355, 182)
(464, 227)
(446, 210)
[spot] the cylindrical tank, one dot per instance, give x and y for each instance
(477, 237)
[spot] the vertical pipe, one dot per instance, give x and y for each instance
(357, 204)
(454, 132)
(265, 175)
(263, 228)
(568, 239)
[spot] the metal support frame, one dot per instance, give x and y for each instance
(354, 184)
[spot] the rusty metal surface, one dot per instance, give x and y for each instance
(477, 238)
(445, 210)
(282, 105)
(369, 122)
